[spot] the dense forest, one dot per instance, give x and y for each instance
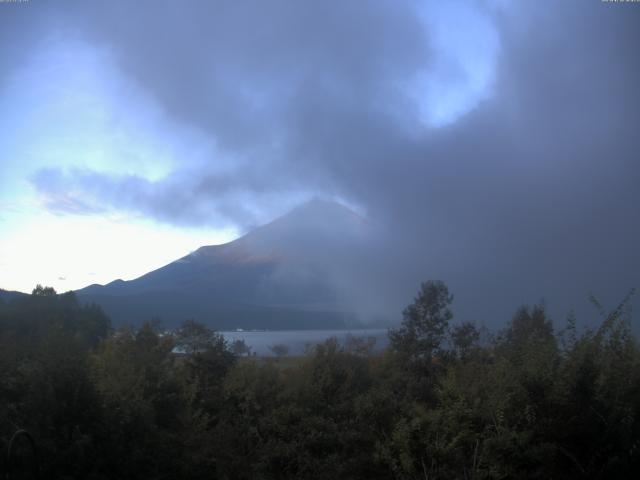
(445, 400)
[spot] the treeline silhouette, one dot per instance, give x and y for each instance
(445, 400)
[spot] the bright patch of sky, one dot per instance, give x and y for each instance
(67, 108)
(60, 110)
(71, 252)
(464, 45)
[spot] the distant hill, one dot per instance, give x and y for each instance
(8, 295)
(278, 276)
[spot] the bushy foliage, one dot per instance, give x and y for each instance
(438, 404)
(425, 323)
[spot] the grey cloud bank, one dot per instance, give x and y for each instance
(530, 190)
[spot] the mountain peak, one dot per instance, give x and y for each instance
(319, 204)
(281, 273)
(315, 222)
(278, 275)
(305, 231)
(318, 214)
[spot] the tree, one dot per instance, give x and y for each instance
(195, 338)
(529, 325)
(279, 349)
(41, 291)
(207, 360)
(360, 346)
(464, 339)
(240, 348)
(425, 323)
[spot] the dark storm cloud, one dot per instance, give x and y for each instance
(238, 69)
(536, 193)
(292, 90)
(533, 193)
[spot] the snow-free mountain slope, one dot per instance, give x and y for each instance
(279, 275)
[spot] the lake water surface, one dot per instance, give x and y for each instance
(298, 340)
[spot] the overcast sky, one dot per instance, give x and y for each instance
(495, 142)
